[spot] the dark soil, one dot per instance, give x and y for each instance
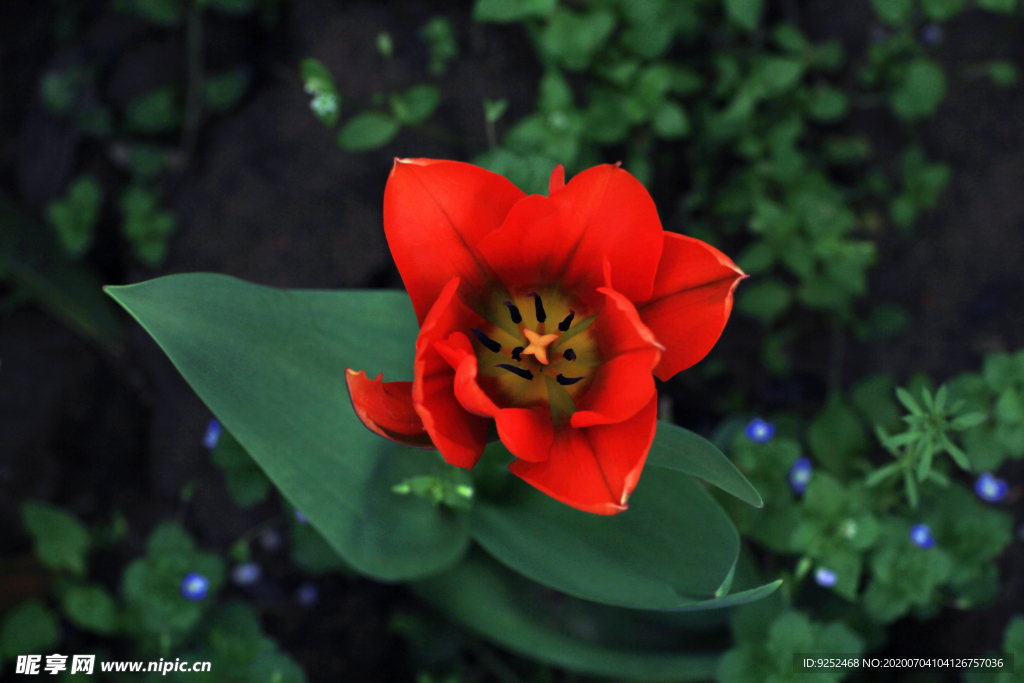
(268, 197)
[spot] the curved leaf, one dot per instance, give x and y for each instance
(526, 618)
(673, 549)
(270, 363)
(676, 448)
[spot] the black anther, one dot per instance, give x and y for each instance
(514, 311)
(515, 353)
(564, 325)
(541, 315)
(486, 341)
(569, 354)
(525, 374)
(566, 381)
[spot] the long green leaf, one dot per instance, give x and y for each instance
(673, 549)
(680, 449)
(526, 618)
(270, 363)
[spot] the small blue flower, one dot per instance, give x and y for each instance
(308, 594)
(212, 436)
(194, 587)
(990, 489)
(759, 431)
(931, 34)
(800, 475)
(246, 574)
(825, 577)
(921, 535)
(301, 518)
(271, 540)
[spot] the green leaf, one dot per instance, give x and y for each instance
(745, 13)
(873, 397)
(680, 449)
(836, 436)
(223, 91)
(1004, 74)
(765, 300)
(74, 216)
(574, 38)
(160, 12)
(652, 556)
(508, 11)
(529, 172)
(91, 607)
(758, 257)
(920, 91)
(893, 12)
(245, 481)
(156, 111)
(941, 10)
(828, 104)
(312, 553)
(415, 105)
(1009, 406)
(318, 82)
(270, 364)
(779, 74)
(60, 541)
(368, 130)
(520, 615)
(968, 420)
(275, 667)
(1004, 6)
(439, 34)
(29, 628)
(670, 121)
(29, 256)
(146, 225)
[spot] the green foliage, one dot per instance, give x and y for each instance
(223, 91)
(893, 12)
(245, 481)
(145, 225)
(229, 7)
(29, 628)
(746, 13)
(415, 105)
(507, 11)
(771, 658)
(1003, 74)
(60, 541)
(836, 436)
(311, 552)
(74, 216)
(929, 424)
(151, 586)
(159, 12)
(903, 575)
(439, 35)
(91, 607)
(997, 392)
(318, 83)
(368, 130)
(154, 112)
(920, 90)
(922, 185)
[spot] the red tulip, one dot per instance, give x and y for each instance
(548, 317)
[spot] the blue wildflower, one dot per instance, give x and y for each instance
(759, 431)
(301, 518)
(921, 535)
(825, 577)
(991, 489)
(212, 436)
(308, 594)
(194, 587)
(800, 475)
(246, 574)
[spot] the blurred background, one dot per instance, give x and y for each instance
(861, 159)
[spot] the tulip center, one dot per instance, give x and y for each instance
(529, 360)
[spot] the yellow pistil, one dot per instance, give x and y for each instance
(539, 345)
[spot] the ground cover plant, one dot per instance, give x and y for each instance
(850, 446)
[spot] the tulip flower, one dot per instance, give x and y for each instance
(543, 319)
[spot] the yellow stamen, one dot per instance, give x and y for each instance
(539, 345)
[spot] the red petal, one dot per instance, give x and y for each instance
(595, 469)
(557, 181)
(531, 248)
(435, 212)
(691, 301)
(526, 432)
(612, 216)
(623, 383)
(458, 434)
(386, 409)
